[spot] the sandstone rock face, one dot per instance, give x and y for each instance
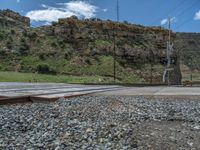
(134, 43)
(132, 40)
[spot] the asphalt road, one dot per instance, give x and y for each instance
(60, 90)
(155, 91)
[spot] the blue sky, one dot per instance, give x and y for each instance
(185, 14)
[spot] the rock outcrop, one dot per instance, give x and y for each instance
(135, 44)
(11, 18)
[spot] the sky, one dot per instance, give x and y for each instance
(184, 14)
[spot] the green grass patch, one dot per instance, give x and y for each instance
(103, 43)
(34, 77)
(187, 76)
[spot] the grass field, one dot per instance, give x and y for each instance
(33, 77)
(188, 75)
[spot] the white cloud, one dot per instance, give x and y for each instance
(165, 21)
(197, 15)
(44, 6)
(18, 1)
(105, 10)
(47, 23)
(48, 15)
(81, 8)
(173, 19)
(64, 10)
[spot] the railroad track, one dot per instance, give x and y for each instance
(36, 89)
(55, 94)
(11, 93)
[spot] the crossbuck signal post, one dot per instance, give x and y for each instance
(166, 74)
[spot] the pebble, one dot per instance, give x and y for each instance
(94, 122)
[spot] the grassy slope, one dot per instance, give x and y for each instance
(54, 56)
(33, 77)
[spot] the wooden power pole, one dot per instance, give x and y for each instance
(114, 52)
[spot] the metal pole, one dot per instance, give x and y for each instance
(169, 30)
(114, 52)
(151, 74)
(114, 60)
(168, 53)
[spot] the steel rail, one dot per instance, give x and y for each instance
(30, 98)
(37, 89)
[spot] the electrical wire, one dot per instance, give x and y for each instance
(183, 12)
(182, 24)
(170, 11)
(188, 8)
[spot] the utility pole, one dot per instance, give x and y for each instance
(114, 53)
(168, 53)
(114, 60)
(151, 73)
(166, 75)
(117, 10)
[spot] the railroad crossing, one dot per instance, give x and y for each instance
(50, 92)
(45, 92)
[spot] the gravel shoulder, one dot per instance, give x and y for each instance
(102, 122)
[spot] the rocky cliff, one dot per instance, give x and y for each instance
(131, 40)
(9, 18)
(84, 47)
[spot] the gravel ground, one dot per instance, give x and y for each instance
(102, 122)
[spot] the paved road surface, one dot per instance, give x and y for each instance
(155, 91)
(54, 91)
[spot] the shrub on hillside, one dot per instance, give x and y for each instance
(2, 52)
(12, 31)
(9, 44)
(61, 43)
(42, 56)
(24, 47)
(32, 36)
(88, 61)
(54, 44)
(45, 69)
(2, 35)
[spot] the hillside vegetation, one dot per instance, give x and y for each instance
(188, 45)
(73, 47)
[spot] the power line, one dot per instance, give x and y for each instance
(184, 11)
(170, 11)
(188, 8)
(182, 24)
